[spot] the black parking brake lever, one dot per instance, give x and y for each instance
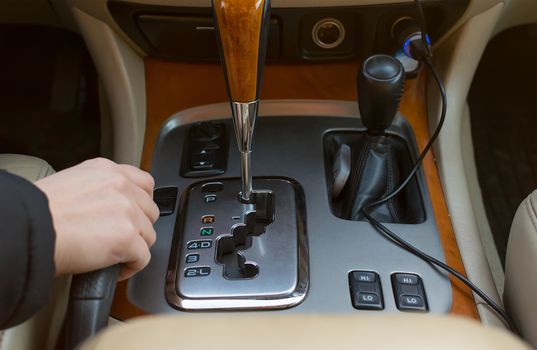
(90, 303)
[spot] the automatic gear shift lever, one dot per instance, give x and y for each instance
(242, 29)
(261, 262)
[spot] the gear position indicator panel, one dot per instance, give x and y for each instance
(232, 255)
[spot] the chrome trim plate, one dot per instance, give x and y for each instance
(280, 253)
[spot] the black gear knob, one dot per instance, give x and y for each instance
(380, 89)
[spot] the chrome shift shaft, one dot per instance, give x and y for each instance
(244, 116)
(242, 28)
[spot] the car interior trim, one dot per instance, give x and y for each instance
(467, 45)
(123, 79)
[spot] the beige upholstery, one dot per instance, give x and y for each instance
(457, 59)
(35, 333)
(521, 269)
(30, 168)
(303, 331)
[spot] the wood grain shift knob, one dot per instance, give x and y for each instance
(242, 29)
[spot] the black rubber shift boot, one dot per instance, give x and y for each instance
(379, 165)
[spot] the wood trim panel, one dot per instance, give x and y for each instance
(239, 30)
(173, 87)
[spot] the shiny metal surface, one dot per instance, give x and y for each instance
(316, 33)
(246, 176)
(281, 253)
(244, 117)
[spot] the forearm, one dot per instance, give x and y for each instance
(27, 241)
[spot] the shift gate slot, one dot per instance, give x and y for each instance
(228, 248)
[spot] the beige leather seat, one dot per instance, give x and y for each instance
(303, 332)
(30, 168)
(35, 333)
(520, 296)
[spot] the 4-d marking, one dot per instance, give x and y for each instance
(203, 244)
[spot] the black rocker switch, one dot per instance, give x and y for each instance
(205, 151)
(165, 198)
(409, 292)
(366, 292)
(203, 159)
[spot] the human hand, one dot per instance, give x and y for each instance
(103, 214)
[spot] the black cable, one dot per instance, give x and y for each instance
(423, 28)
(417, 165)
(408, 246)
(400, 241)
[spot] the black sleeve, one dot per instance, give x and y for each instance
(26, 250)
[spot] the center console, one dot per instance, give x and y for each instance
(277, 223)
(290, 158)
